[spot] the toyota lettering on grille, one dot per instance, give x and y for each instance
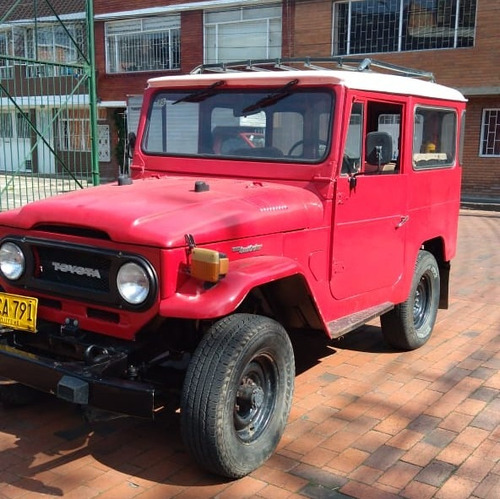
(75, 269)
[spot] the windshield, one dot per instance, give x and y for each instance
(275, 124)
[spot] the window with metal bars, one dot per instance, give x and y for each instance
(374, 26)
(74, 130)
(490, 133)
(147, 44)
(243, 33)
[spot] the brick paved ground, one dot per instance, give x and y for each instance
(367, 422)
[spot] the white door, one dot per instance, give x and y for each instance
(15, 143)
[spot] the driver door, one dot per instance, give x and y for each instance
(370, 213)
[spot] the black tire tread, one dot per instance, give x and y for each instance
(397, 324)
(205, 380)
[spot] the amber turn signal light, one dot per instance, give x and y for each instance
(208, 265)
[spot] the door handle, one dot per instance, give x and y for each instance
(403, 221)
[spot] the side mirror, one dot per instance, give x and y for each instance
(131, 140)
(378, 148)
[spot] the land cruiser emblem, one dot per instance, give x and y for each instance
(247, 249)
(75, 269)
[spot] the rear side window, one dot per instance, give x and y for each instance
(434, 138)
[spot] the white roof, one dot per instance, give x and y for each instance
(359, 80)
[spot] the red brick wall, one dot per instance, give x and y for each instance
(313, 28)
(464, 68)
(117, 86)
(288, 28)
(481, 176)
(191, 40)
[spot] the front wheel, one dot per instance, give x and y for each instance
(237, 394)
(409, 325)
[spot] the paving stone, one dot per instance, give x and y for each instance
(384, 457)
(440, 438)
(436, 473)
(424, 424)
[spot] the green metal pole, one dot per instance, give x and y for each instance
(94, 146)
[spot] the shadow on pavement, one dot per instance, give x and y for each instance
(47, 449)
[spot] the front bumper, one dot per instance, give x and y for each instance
(75, 382)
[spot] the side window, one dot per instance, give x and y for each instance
(383, 137)
(434, 138)
(373, 138)
(351, 160)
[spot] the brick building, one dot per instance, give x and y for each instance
(457, 40)
(44, 118)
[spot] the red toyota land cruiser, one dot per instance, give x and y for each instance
(259, 204)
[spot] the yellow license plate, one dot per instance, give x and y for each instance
(18, 312)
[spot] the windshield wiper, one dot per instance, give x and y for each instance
(270, 99)
(200, 95)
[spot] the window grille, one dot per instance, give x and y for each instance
(490, 133)
(17, 129)
(22, 126)
(5, 69)
(242, 33)
(53, 43)
(6, 130)
(147, 44)
(74, 130)
(372, 26)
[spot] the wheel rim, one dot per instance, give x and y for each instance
(422, 300)
(255, 398)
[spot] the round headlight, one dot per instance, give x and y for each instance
(133, 283)
(12, 262)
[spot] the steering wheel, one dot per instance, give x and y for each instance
(321, 148)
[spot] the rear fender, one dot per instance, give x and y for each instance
(199, 300)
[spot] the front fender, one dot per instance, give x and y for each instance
(194, 300)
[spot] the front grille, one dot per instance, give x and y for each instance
(85, 273)
(75, 268)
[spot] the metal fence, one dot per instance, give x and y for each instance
(48, 114)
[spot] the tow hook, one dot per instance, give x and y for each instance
(70, 326)
(95, 354)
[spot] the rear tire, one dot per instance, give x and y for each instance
(409, 325)
(237, 394)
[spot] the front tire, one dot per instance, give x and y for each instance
(409, 325)
(237, 394)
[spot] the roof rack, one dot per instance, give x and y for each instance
(315, 63)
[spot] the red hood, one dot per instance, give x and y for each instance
(159, 212)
